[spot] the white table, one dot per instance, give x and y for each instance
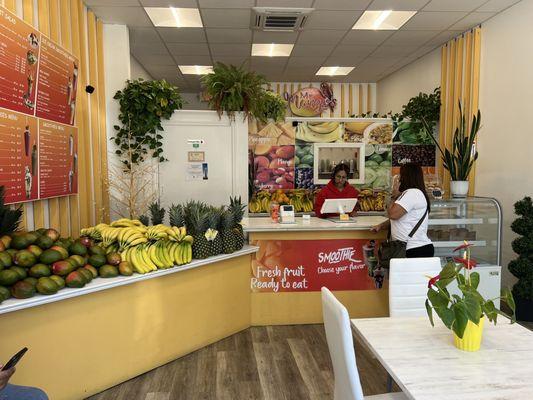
(426, 365)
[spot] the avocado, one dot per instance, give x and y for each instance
(31, 280)
(44, 242)
(35, 250)
(21, 272)
(24, 258)
(97, 250)
(22, 290)
(19, 242)
(62, 268)
(47, 286)
(97, 260)
(40, 270)
(108, 271)
(8, 277)
(125, 268)
(75, 280)
(88, 276)
(50, 256)
(5, 259)
(59, 281)
(78, 249)
(4, 293)
(92, 270)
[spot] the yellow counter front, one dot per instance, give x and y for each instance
(273, 306)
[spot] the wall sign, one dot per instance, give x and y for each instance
(311, 102)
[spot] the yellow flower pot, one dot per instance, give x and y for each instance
(471, 340)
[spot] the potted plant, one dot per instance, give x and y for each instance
(270, 107)
(464, 314)
(461, 158)
(522, 267)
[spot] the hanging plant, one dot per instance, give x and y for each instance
(230, 89)
(143, 104)
(424, 107)
(270, 107)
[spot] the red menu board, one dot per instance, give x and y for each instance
(58, 159)
(57, 83)
(18, 156)
(19, 55)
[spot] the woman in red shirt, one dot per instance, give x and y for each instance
(337, 188)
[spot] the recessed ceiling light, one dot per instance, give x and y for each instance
(271, 49)
(195, 69)
(331, 71)
(383, 20)
(172, 17)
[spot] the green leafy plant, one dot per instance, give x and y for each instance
(424, 107)
(143, 104)
(232, 89)
(522, 267)
(460, 160)
(270, 106)
(9, 219)
(455, 311)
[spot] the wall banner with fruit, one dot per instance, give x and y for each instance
(308, 265)
(291, 160)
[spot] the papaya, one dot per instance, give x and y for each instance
(24, 258)
(8, 277)
(47, 286)
(108, 271)
(22, 290)
(40, 270)
(50, 256)
(75, 280)
(59, 281)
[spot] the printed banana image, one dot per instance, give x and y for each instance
(324, 132)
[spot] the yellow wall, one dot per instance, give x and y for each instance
(68, 23)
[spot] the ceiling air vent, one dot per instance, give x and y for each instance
(279, 19)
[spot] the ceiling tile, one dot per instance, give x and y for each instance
(341, 4)
(220, 18)
(154, 59)
(284, 3)
(224, 49)
(131, 16)
(332, 20)
(421, 52)
(397, 5)
(320, 37)
(443, 37)
(433, 20)
(496, 5)
(453, 5)
(158, 70)
(366, 38)
(305, 62)
(153, 48)
(410, 38)
(117, 3)
(344, 59)
(393, 51)
(472, 20)
(229, 35)
(144, 36)
(194, 60)
(268, 62)
(188, 49)
(232, 60)
(302, 50)
(355, 51)
(182, 35)
(379, 63)
(226, 3)
(169, 3)
(274, 37)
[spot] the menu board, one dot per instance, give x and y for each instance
(57, 83)
(19, 55)
(58, 159)
(18, 156)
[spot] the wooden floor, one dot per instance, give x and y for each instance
(271, 363)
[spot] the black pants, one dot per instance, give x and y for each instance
(423, 251)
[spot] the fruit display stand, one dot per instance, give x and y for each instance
(82, 341)
(304, 307)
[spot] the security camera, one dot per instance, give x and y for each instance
(89, 89)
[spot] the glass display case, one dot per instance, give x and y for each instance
(475, 219)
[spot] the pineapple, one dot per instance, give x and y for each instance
(237, 209)
(157, 213)
(226, 232)
(9, 218)
(217, 246)
(176, 215)
(197, 224)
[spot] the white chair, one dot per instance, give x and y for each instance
(408, 285)
(341, 350)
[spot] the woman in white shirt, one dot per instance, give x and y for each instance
(409, 204)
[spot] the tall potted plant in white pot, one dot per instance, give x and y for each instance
(463, 154)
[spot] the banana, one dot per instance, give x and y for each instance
(188, 238)
(152, 253)
(138, 241)
(323, 127)
(178, 254)
(188, 253)
(171, 252)
(135, 261)
(143, 251)
(164, 255)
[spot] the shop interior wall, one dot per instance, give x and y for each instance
(138, 71)
(69, 23)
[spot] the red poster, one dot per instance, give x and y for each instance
(19, 55)
(57, 85)
(18, 156)
(58, 159)
(307, 265)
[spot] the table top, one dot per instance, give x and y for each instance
(265, 224)
(427, 366)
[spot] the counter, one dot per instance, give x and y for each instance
(306, 256)
(83, 341)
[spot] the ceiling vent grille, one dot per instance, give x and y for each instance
(279, 19)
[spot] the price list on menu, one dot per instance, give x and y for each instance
(58, 78)
(58, 159)
(19, 55)
(18, 156)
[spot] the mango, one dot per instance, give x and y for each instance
(97, 260)
(108, 271)
(88, 275)
(78, 260)
(6, 240)
(62, 268)
(31, 280)
(40, 270)
(5, 259)
(21, 272)
(59, 281)
(77, 248)
(25, 258)
(97, 250)
(44, 242)
(8, 277)
(19, 242)
(31, 237)
(60, 250)
(4, 293)
(52, 234)
(124, 268)
(22, 290)
(35, 250)
(50, 256)
(47, 286)
(12, 252)
(75, 280)
(40, 231)
(92, 270)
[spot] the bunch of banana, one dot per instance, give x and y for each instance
(108, 233)
(260, 202)
(91, 232)
(126, 223)
(176, 234)
(132, 236)
(181, 252)
(321, 132)
(161, 255)
(254, 206)
(138, 257)
(157, 232)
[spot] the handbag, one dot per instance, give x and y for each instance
(396, 248)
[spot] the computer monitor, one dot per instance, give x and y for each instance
(338, 206)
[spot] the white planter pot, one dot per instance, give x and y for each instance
(459, 188)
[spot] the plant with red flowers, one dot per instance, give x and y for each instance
(456, 310)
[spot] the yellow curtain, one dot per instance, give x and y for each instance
(459, 82)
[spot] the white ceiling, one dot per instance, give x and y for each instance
(327, 39)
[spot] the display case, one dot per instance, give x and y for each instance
(475, 219)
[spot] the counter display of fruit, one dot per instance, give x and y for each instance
(301, 199)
